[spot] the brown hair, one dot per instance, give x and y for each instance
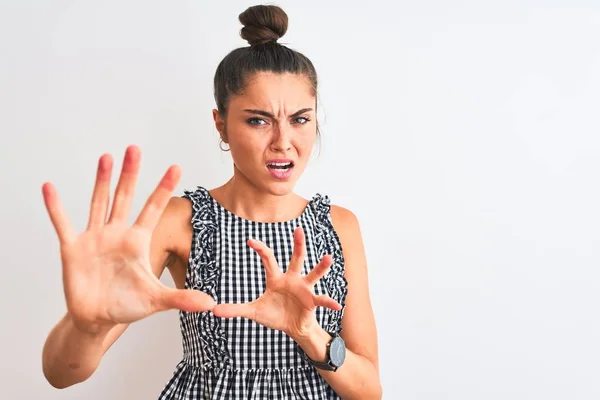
(263, 26)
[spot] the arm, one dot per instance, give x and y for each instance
(70, 355)
(358, 377)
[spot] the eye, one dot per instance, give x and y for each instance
(301, 120)
(256, 121)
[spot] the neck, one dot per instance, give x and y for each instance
(243, 198)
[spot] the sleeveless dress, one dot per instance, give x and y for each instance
(237, 358)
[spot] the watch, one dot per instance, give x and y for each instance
(336, 354)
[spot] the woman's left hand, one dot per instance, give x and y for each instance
(288, 303)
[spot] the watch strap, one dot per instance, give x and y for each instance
(323, 365)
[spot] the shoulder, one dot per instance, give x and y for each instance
(344, 221)
(347, 227)
(178, 207)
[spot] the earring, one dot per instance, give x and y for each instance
(221, 146)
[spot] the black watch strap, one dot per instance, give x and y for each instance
(323, 365)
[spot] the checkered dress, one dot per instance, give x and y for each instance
(237, 358)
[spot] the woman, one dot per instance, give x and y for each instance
(272, 288)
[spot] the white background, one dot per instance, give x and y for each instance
(463, 134)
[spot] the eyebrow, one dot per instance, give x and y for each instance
(267, 114)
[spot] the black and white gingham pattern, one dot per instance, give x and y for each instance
(238, 358)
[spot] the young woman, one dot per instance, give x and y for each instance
(272, 289)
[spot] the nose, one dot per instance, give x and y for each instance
(282, 138)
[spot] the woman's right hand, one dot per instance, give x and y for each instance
(107, 276)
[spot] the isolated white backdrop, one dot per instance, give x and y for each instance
(464, 135)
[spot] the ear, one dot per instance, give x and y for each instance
(219, 124)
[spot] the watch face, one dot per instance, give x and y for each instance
(337, 351)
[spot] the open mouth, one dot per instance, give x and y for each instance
(281, 166)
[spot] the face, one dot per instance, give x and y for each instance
(271, 130)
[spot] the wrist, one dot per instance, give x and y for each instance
(89, 331)
(313, 341)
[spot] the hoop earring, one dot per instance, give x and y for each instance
(221, 146)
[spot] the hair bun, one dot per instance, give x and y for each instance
(263, 24)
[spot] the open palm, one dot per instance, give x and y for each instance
(107, 276)
(288, 303)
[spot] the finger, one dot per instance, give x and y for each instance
(299, 253)
(267, 256)
(126, 186)
(100, 197)
(57, 214)
(184, 299)
(158, 200)
(244, 310)
(319, 270)
(327, 302)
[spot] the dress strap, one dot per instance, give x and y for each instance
(203, 274)
(328, 242)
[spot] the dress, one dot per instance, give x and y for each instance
(237, 358)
